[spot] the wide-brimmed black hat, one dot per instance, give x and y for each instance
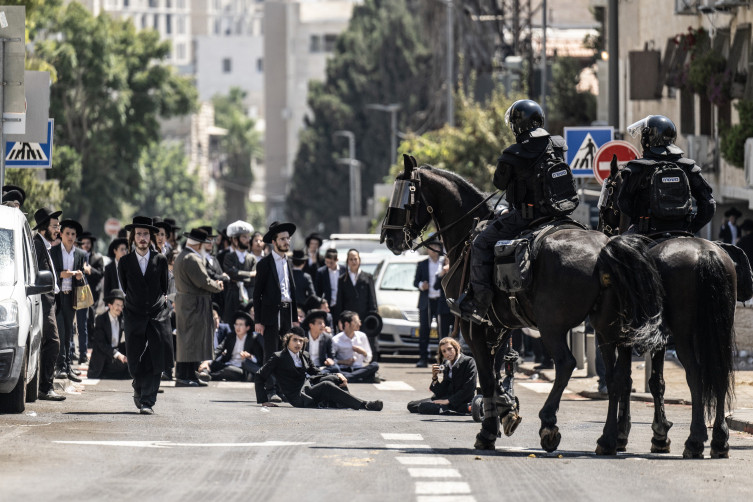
(197, 234)
(173, 224)
(114, 244)
(208, 229)
(372, 324)
(299, 257)
(141, 222)
(158, 222)
(242, 315)
(733, 211)
(313, 302)
(86, 235)
(312, 315)
(43, 215)
(14, 193)
(275, 228)
(314, 236)
(69, 223)
(114, 294)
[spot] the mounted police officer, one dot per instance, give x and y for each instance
(530, 196)
(656, 190)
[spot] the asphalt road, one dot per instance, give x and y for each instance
(216, 443)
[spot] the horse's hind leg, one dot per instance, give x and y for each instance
(698, 435)
(660, 443)
(616, 368)
(720, 434)
(564, 364)
(487, 437)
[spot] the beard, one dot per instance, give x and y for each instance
(242, 246)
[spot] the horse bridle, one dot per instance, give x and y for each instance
(609, 206)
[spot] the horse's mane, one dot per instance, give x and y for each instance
(461, 183)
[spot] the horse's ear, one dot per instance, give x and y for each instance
(413, 159)
(613, 168)
(408, 163)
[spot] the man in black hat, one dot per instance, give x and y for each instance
(148, 334)
(117, 249)
(48, 228)
(328, 276)
(163, 231)
(275, 307)
(240, 355)
(96, 272)
(70, 264)
(109, 354)
(13, 196)
(313, 260)
(746, 241)
(172, 237)
(730, 232)
(240, 266)
(193, 309)
(304, 284)
(214, 267)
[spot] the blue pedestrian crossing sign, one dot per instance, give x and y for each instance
(582, 144)
(27, 154)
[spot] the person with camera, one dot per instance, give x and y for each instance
(458, 385)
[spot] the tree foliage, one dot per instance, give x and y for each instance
(733, 137)
(568, 106)
(113, 84)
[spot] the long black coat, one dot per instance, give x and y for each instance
(101, 342)
(146, 315)
(459, 389)
(44, 262)
(232, 265)
(360, 298)
(322, 284)
(267, 292)
(111, 278)
(97, 264)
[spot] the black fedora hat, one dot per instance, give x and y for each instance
(372, 324)
(275, 228)
(733, 211)
(299, 257)
(313, 302)
(43, 215)
(158, 222)
(312, 315)
(141, 222)
(114, 244)
(240, 314)
(86, 235)
(314, 236)
(208, 229)
(172, 223)
(114, 294)
(197, 234)
(70, 223)
(19, 193)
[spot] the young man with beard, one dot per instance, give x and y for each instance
(47, 228)
(238, 265)
(274, 294)
(148, 333)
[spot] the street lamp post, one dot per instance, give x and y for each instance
(354, 171)
(392, 109)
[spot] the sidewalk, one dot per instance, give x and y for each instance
(676, 391)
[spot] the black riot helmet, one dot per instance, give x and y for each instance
(655, 130)
(524, 115)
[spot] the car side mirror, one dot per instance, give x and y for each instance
(45, 284)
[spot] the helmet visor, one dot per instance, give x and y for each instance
(637, 128)
(602, 196)
(507, 116)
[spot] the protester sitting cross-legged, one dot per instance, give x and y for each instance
(239, 356)
(303, 384)
(108, 340)
(458, 385)
(353, 351)
(321, 349)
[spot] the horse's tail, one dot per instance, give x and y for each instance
(625, 264)
(714, 341)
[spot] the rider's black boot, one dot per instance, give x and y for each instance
(472, 307)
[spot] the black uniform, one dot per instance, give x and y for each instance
(516, 174)
(633, 198)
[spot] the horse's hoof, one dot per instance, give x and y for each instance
(690, 454)
(622, 444)
(658, 446)
(483, 444)
(600, 450)
(510, 422)
(622, 449)
(550, 438)
(719, 453)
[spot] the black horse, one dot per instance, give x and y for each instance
(576, 273)
(700, 285)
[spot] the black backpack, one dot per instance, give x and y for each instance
(669, 192)
(557, 195)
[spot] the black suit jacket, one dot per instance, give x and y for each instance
(322, 284)
(44, 262)
(224, 352)
(232, 266)
(97, 264)
(422, 274)
(312, 268)
(304, 286)
(326, 349)
(267, 292)
(725, 233)
(111, 278)
(459, 389)
(289, 378)
(79, 258)
(101, 341)
(360, 298)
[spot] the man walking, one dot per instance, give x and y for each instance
(274, 295)
(431, 302)
(193, 309)
(149, 339)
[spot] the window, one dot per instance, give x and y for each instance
(181, 25)
(260, 65)
(180, 51)
(227, 65)
(217, 26)
(315, 43)
(168, 4)
(153, 3)
(168, 24)
(155, 24)
(7, 258)
(181, 4)
(125, 3)
(329, 42)
(143, 21)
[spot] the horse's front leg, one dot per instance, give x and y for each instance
(660, 443)
(623, 417)
(564, 365)
(487, 437)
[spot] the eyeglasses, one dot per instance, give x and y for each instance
(55, 227)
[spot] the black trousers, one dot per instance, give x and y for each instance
(146, 381)
(50, 348)
(273, 340)
(362, 374)
(328, 392)
(504, 227)
(186, 370)
(426, 407)
(65, 316)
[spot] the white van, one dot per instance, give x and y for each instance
(21, 284)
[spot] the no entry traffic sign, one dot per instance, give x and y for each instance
(112, 226)
(624, 151)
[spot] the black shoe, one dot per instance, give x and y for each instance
(166, 376)
(50, 395)
(374, 405)
(274, 398)
(73, 377)
(137, 402)
(472, 307)
(544, 366)
(201, 384)
(61, 375)
(146, 410)
(74, 371)
(179, 382)
(422, 363)
(83, 359)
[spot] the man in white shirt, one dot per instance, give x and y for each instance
(327, 276)
(108, 341)
(239, 356)
(353, 352)
(321, 348)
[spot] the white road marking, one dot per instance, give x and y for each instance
(394, 446)
(445, 498)
(90, 381)
(402, 437)
(235, 385)
(167, 383)
(431, 472)
(540, 387)
(393, 385)
(417, 460)
(170, 444)
(442, 487)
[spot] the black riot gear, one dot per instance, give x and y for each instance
(523, 116)
(656, 131)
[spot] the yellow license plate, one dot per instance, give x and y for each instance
(433, 334)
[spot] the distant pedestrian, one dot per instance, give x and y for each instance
(730, 232)
(313, 260)
(431, 302)
(117, 249)
(94, 278)
(355, 292)
(304, 284)
(239, 265)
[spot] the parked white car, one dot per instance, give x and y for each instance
(21, 284)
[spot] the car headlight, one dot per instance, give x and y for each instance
(8, 313)
(390, 312)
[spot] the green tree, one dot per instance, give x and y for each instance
(241, 145)
(567, 106)
(382, 59)
(167, 187)
(733, 137)
(113, 85)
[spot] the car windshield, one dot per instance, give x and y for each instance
(398, 277)
(362, 245)
(7, 258)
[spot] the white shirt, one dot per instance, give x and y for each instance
(281, 262)
(314, 349)
(115, 334)
(296, 359)
(236, 359)
(343, 347)
(433, 269)
(67, 284)
(334, 275)
(353, 276)
(451, 364)
(241, 255)
(47, 246)
(143, 261)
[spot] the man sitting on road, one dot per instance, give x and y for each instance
(239, 356)
(302, 383)
(353, 351)
(108, 341)
(321, 349)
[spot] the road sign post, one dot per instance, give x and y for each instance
(582, 144)
(624, 151)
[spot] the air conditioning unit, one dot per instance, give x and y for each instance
(726, 5)
(749, 162)
(687, 7)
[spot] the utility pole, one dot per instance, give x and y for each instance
(392, 109)
(449, 82)
(613, 48)
(354, 168)
(543, 58)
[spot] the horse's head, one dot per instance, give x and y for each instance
(406, 217)
(609, 213)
